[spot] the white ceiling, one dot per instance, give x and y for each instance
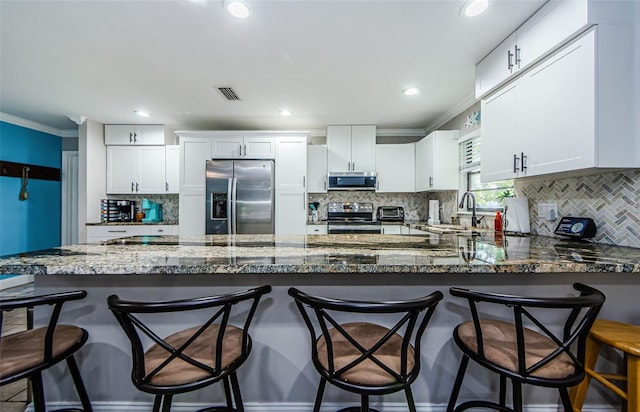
(328, 61)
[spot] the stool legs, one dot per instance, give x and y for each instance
(316, 406)
(458, 384)
(578, 393)
(633, 383)
(77, 381)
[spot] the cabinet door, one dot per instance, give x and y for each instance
(317, 169)
(121, 134)
(363, 148)
(122, 164)
(339, 148)
(151, 173)
(444, 160)
(259, 148)
(291, 163)
(192, 214)
(194, 152)
(149, 134)
(424, 164)
(172, 168)
(227, 147)
(291, 213)
(496, 67)
(501, 134)
(561, 127)
(391, 229)
(395, 165)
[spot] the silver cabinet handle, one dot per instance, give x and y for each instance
(135, 137)
(137, 186)
(349, 166)
(517, 56)
(116, 231)
(509, 57)
(515, 163)
(160, 230)
(304, 181)
(132, 186)
(523, 166)
(430, 181)
(166, 186)
(325, 185)
(353, 166)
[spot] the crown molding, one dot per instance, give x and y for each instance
(451, 113)
(400, 132)
(18, 121)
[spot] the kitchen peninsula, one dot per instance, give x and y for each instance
(279, 373)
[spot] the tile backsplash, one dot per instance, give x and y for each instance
(169, 203)
(414, 204)
(612, 200)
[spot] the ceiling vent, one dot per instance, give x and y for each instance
(229, 93)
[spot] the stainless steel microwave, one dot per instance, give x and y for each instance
(352, 181)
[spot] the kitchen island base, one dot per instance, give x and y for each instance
(279, 375)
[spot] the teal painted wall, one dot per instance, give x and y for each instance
(33, 224)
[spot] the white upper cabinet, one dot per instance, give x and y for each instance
(136, 170)
(573, 111)
(172, 168)
(317, 168)
(238, 147)
(130, 134)
(437, 161)
(549, 28)
(395, 166)
(351, 148)
(194, 153)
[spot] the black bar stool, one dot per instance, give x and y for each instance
(361, 356)
(27, 353)
(192, 358)
(531, 354)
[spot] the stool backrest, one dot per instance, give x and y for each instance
(219, 310)
(577, 314)
(410, 321)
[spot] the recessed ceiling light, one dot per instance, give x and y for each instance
(143, 113)
(473, 8)
(410, 91)
(284, 112)
(237, 8)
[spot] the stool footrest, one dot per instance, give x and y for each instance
(481, 404)
(603, 379)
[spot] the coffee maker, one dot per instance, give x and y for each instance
(152, 211)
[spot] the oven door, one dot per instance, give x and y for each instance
(345, 227)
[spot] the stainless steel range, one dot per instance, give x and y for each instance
(351, 218)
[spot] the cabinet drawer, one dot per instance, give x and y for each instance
(163, 230)
(316, 229)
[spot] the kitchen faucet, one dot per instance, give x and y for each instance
(474, 222)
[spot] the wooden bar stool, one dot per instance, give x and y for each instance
(621, 336)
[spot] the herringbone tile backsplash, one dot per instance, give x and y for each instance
(612, 200)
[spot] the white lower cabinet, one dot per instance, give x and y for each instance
(413, 231)
(316, 229)
(392, 229)
(100, 233)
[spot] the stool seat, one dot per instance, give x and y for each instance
(623, 337)
(619, 335)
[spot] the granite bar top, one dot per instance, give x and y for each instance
(316, 254)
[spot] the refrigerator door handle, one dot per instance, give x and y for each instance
(230, 200)
(212, 206)
(234, 189)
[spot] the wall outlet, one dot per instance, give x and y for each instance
(548, 211)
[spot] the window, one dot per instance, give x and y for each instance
(489, 195)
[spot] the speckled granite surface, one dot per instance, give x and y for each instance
(316, 254)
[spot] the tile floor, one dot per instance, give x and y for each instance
(13, 397)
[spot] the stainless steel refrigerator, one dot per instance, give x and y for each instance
(240, 196)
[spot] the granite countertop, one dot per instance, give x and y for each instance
(355, 253)
(165, 222)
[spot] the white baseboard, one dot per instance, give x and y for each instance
(294, 407)
(14, 281)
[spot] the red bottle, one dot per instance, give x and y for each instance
(497, 223)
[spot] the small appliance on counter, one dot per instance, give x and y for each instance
(516, 215)
(117, 210)
(434, 212)
(152, 211)
(390, 214)
(576, 227)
